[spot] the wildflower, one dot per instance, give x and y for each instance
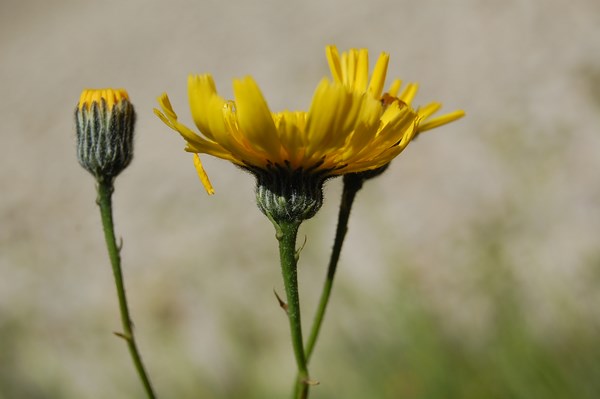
(104, 120)
(351, 70)
(350, 127)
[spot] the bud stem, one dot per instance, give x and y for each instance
(352, 184)
(105, 190)
(286, 234)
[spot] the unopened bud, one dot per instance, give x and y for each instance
(105, 120)
(286, 195)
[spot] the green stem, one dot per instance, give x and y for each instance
(286, 234)
(104, 200)
(352, 184)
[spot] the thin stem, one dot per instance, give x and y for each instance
(286, 234)
(104, 201)
(352, 184)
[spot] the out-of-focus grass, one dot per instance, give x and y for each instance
(392, 346)
(403, 350)
(400, 347)
(400, 350)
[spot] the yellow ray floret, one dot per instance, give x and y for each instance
(350, 69)
(349, 127)
(110, 96)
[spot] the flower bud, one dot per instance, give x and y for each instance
(105, 120)
(285, 195)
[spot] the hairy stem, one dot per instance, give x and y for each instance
(286, 234)
(104, 200)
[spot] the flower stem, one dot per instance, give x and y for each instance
(105, 190)
(286, 234)
(352, 184)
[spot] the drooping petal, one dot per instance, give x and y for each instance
(169, 117)
(202, 175)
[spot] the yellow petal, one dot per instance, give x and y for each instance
(206, 105)
(254, 117)
(396, 121)
(441, 120)
(331, 117)
(202, 175)
(362, 71)
(409, 93)
(349, 67)
(365, 130)
(428, 110)
(379, 73)
(333, 58)
(169, 117)
(197, 143)
(165, 104)
(395, 87)
(290, 126)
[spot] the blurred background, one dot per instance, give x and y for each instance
(471, 268)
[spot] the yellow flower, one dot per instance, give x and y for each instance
(350, 126)
(351, 70)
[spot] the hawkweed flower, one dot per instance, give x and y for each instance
(351, 70)
(104, 119)
(351, 127)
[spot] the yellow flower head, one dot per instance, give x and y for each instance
(350, 126)
(351, 70)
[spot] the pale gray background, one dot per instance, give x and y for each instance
(199, 269)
